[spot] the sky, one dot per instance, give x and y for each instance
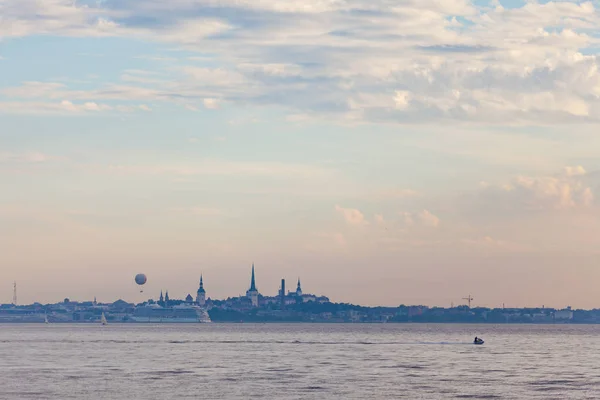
(385, 152)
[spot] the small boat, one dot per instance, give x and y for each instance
(46, 319)
(478, 341)
(103, 320)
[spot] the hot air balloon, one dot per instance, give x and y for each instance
(140, 279)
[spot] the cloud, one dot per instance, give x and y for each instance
(211, 104)
(64, 107)
(407, 218)
(552, 191)
(352, 216)
(568, 192)
(423, 218)
(428, 219)
(575, 171)
(348, 61)
(33, 157)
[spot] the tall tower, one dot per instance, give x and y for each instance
(15, 293)
(201, 294)
(298, 289)
(161, 299)
(282, 294)
(166, 299)
(252, 293)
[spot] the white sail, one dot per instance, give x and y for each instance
(46, 319)
(103, 319)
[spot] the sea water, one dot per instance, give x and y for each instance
(298, 361)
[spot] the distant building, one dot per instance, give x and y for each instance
(307, 298)
(298, 289)
(563, 315)
(201, 294)
(252, 293)
(182, 313)
(189, 299)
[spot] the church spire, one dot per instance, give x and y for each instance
(201, 294)
(252, 293)
(298, 288)
(253, 281)
(201, 288)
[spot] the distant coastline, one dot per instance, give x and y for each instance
(311, 312)
(293, 306)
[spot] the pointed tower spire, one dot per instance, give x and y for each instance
(252, 293)
(201, 288)
(253, 281)
(201, 294)
(298, 288)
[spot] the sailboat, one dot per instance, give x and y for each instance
(103, 320)
(46, 319)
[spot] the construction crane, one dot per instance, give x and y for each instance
(469, 299)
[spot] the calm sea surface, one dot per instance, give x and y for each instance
(300, 361)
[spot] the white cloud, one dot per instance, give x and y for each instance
(352, 216)
(64, 107)
(402, 99)
(211, 104)
(423, 218)
(428, 219)
(346, 60)
(574, 171)
(552, 191)
(563, 191)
